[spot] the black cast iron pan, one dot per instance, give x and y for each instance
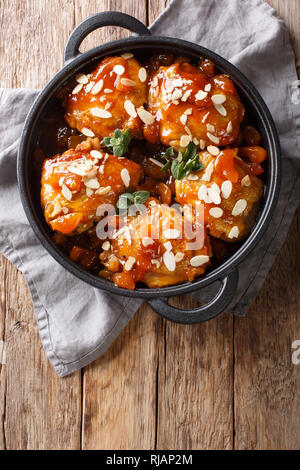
(45, 108)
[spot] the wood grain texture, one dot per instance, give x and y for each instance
(225, 384)
(120, 388)
(37, 409)
(266, 383)
(195, 407)
(195, 373)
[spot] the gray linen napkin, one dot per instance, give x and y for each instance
(78, 323)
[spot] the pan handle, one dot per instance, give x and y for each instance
(107, 18)
(201, 314)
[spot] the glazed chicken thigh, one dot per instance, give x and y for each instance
(229, 192)
(157, 247)
(80, 180)
(107, 98)
(189, 105)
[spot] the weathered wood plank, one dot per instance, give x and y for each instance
(37, 409)
(195, 409)
(267, 399)
(195, 374)
(120, 388)
(290, 13)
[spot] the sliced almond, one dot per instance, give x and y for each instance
(91, 183)
(169, 261)
(185, 140)
(125, 177)
(192, 177)
(97, 87)
(234, 233)
(142, 74)
(188, 111)
(87, 132)
(77, 89)
(246, 181)
(178, 82)
(89, 87)
(239, 207)
(101, 113)
(156, 162)
(108, 90)
(210, 128)
(80, 170)
(171, 234)
(196, 141)
(221, 110)
(202, 144)
(229, 128)
(130, 108)
(188, 131)
(216, 212)
(179, 257)
(145, 116)
(218, 99)
(176, 95)
(81, 78)
(208, 172)
(168, 246)
(147, 241)
(67, 194)
(106, 246)
(199, 260)
(96, 154)
(207, 87)
(213, 150)
(205, 117)
(119, 69)
(213, 138)
(56, 209)
(127, 55)
(102, 191)
(226, 189)
(130, 263)
(214, 196)
(201, 95)
(186, 95)
(127, 82)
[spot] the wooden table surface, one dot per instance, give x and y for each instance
(226, 384)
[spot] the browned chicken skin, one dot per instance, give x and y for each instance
(166, 102)
(189, 105)
(157, 247)
(76, 183)
(230, 205)
(109, 99)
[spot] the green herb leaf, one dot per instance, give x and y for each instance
(137, 199)
(140, 197)
(169, 152)
(167, 166)
(125, 201)
(118, 144)
(190, 152)
(183, 168)
(177, 169)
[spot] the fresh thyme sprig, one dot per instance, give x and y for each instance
(119, 143)
(185, 162)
